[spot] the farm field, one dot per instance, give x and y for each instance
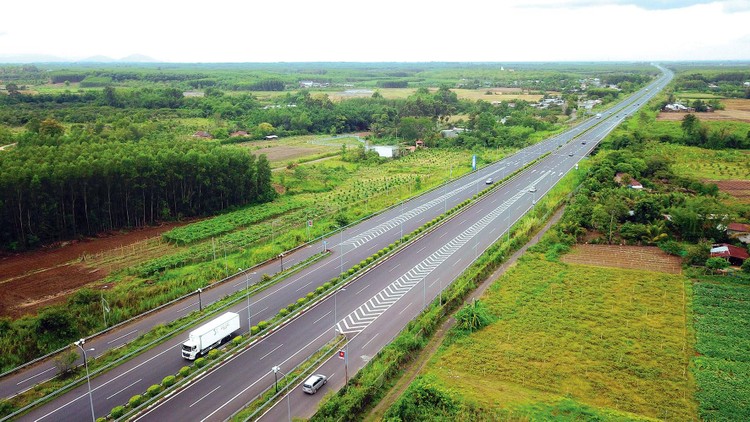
(495, 94)
(577, 342)
(735, 110)
(40, 278)
(633, 257)
(722, 364)
(704, 164)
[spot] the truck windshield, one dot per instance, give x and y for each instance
(187, 348)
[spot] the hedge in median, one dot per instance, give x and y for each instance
(169, 380)
(117, 411)
(135, 401)
(153, 390)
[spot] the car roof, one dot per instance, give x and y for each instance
(313, 378)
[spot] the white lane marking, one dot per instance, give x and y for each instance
(34, 376)
(122, 336)
(77, 398)
(391, 270)
(443, 235)
(368, 341)
(405, 308)
(125, 388)
(267, 354)
(418, 252)
(361, 290)
(304, 286)
(318, 320)
(182, 309)
(196, 402)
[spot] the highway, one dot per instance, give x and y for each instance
(419, 271)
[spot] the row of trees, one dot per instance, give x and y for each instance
(54, 192)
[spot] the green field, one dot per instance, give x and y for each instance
(576, 341)
(722, 363)
(703, 163)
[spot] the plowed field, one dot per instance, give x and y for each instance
(739, 189)
(649, 258)
(735, 110)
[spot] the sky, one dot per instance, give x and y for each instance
(378, 30)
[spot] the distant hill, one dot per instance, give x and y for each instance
(46, 58)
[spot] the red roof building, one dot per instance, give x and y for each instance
(735, 255)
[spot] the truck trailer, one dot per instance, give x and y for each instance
(210, 335)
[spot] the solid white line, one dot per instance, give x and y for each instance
(124, 389)
(318, 320)
(407, 306)
(421, 250)
(267, 354)
(391, 270)
(361, 290)
(77, 398)
(34, 376)
(122, 336)
(443, 235)
(196, 402)
(368, 341)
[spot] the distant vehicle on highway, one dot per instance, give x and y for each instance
(210, 335)
(583, 142)
(570, 154)
(598, 115)
(313, 384)
(532, 189)
(488, 181)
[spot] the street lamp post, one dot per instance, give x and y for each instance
(281, 255)
(200, 302)
(286, 388)
(80, 343)
(247, 294)
(341, 251)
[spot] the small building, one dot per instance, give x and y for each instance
(739, 231)
(452, 133)
(271, 137)
(203, 135)
(631, 183)
(385, 151)
(677, 108)
(735, 255)
(238, 134)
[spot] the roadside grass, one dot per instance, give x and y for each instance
(722, 363)
(703, 163)
(611, 340)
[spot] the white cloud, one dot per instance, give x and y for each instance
(386, 30)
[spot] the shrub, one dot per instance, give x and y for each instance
(135, 401)
(355, 268)
(327, 285)
(265, 277)
(283, 312)
(301, 301)
(213, 354)
(319, 290)
(117, 411)
(169, 380)
(673, 248)
(201, 362)
(101, 419)
(254, 330)
(185, 371)
(310, 295)
(153, 390)
(263, 325)
(237, 341)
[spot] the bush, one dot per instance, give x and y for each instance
(327, 285)
(716, 263)
(746, 266)
(117, 411)
(185, 371)
(237, 341)
(283, 312)
(263, 325)
(310, 296)
(673, 248)
(254, 330)
(319, 290)
(153, 390)
(101, 419)
(201, 362)
(135, 401)
(301, 301)
(213, 354)
(169, 380)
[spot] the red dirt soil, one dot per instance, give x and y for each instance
(740, 189)
(649, 258)
(31, 280)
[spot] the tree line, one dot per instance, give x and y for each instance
(51, 192)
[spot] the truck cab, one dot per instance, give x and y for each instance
(190, 350)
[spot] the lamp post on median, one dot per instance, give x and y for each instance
(247, 294)
(200, 302)
(286, 388)
(79, 343)
(281, 255)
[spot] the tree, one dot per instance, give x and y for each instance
(12, 88)
(51, 128)
(689, 124)
(65, 361)
(716, 263)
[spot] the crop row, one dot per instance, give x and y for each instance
(231, 221)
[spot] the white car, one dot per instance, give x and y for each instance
(313, 383)
(488, 181)
(532, 189)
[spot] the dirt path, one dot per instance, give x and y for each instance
(416, 366)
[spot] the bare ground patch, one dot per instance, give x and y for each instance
(739, 189)
(31, 280)
(735, 110)
(648, 258)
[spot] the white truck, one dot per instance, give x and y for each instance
(210, 335)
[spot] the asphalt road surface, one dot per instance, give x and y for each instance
(370, 311)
